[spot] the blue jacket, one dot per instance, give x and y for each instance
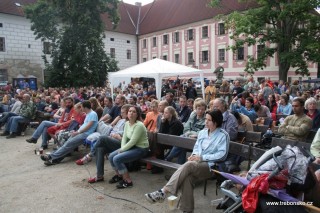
(250, 113)
(230, 124)
(286, 110)
(218, 148)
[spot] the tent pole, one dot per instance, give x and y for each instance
(111, 85)
(202, 84)
(158, 81)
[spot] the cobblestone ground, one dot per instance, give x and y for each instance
(27, 185)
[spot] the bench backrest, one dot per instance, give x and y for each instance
(172, 140)
(253, 137)
(243, 150)
(284, 142)
(260, 128)
(246, 151)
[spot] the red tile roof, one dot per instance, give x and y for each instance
(166, 14)
(128, 19)
(156, 16)
(9, 6)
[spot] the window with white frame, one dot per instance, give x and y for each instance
(112, 52)
(205, 32)
(190, 35)
(2, 44)
(260, 48)
(154, 41)
(176, 58)
(221, 54)
(128, 54)
(204, 56)
(190, 58)
(165, 39)
(221, 29)
(176, 37)
(240, 54)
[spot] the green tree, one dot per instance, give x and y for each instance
(76, 31)
(288, 29)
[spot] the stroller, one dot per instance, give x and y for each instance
(277, 176)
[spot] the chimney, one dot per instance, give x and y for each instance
(138, 4)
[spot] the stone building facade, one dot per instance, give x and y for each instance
(21, 54)
(181, 31)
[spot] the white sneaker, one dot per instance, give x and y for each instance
(157, 196)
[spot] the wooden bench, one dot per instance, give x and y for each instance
(39, 117)
(260, 128)
(171, 140)
(253, 137)
(246, 151)
(284, 142)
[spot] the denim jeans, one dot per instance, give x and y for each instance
(104, 145)
(69, 146)
(42, 130)
(12, 123)
(6, 116)
(118, 160)
(177, 152)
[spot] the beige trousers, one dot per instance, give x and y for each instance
(183, 180)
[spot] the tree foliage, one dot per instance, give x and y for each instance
(288, 29)
(76, 31)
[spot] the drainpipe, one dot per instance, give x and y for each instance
(137, 30)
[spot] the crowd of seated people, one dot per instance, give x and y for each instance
(127, 141)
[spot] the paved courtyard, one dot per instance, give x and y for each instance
(27, 185)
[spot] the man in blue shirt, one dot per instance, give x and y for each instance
(89, 126)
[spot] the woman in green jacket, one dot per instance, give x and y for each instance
(134, 146)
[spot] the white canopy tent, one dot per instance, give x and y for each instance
(157, 69)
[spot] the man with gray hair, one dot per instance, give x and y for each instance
(26, 113)
(230, 123)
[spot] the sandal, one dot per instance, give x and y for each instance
(84, 160)
(95, 179)
(115, 179)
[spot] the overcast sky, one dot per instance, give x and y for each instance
(134, 1)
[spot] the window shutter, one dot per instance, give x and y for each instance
(193, 34)
(200, 56)
(208, 56)
(186, 35)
